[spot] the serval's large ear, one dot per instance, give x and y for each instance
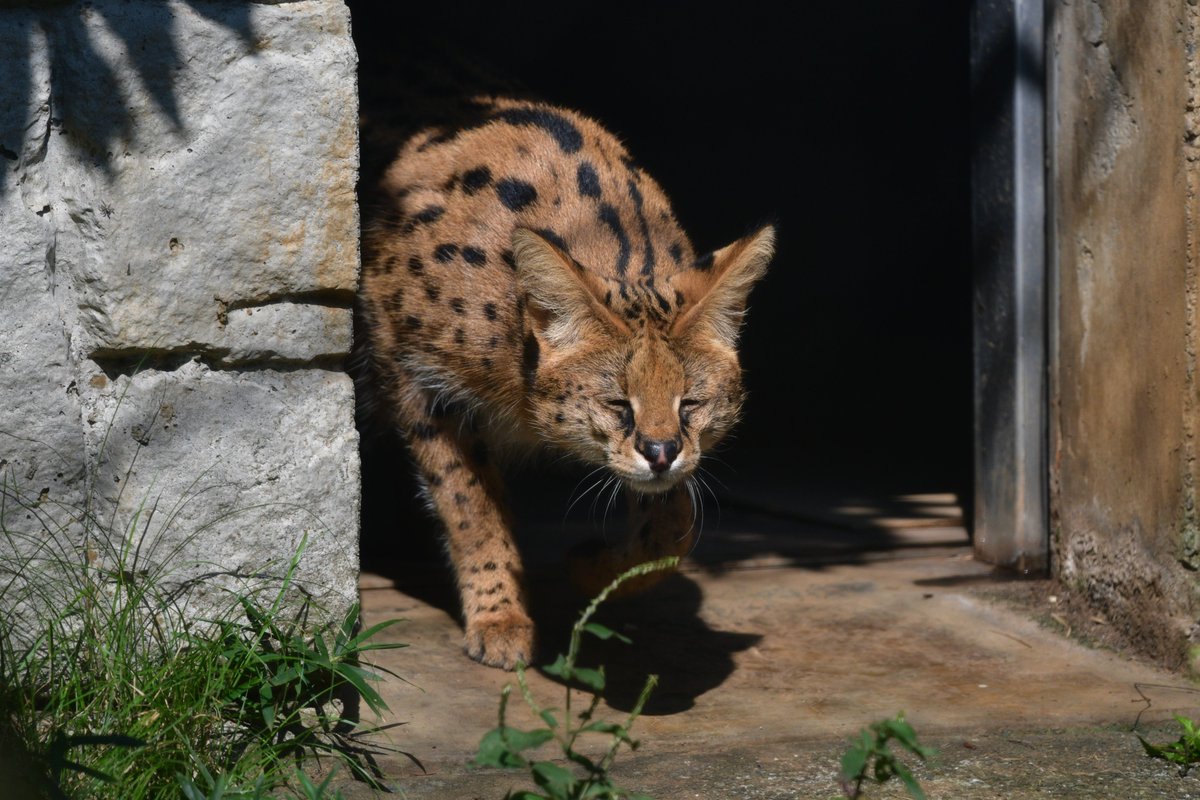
(563, 300)
(716, 290)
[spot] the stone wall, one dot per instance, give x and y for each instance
(1123, 404)
(178, 258)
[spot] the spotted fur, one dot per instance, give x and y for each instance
(526, 285)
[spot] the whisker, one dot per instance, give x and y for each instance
(701, 469)
(612, 497)
(596, 499)
(716, 499)
(584, 493)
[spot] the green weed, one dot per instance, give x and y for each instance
(111, 686)
(870, 758)
(504, 746)
(1183, 752)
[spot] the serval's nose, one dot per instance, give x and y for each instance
(659, 454)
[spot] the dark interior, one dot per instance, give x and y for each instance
(850, 129)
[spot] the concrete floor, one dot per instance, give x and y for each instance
(788, 633)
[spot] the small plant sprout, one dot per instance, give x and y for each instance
(870, 758)
(504, 746)
(1184, 752)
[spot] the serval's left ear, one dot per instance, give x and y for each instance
(716, 290)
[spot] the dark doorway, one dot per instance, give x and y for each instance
(849, 127)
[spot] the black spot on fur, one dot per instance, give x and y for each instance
(679, 298)
(460, 499)
(492, 342)
(394, 301)
(609, 216)
(433, 480)
(489, 310)
(553, 238)
(487, 363)
(412, 322)
(530, 353)
(704, 262)
(458, 304)
(589, 181)
(662, 302)
(459, 336)
(515, 194)
(433, 293)
(507, 258)
(464, 525)
(565, 134)
(474, 256)
(560, 418)
(429, 214)
(415, 265)
(445, 252)
(676, 252)
(490, 566)
(608, 298)
(476, 179)
(636, 195)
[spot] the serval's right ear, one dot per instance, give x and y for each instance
(562, 298)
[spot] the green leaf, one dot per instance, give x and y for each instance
(601, 632)
(854, 763)
(548, 717)
(525, 795)
(559, 781)
(524, 740)
(910, 783)
(1152, 750)
(612, 728)
(558, 668)
(494, 752)
(501, 747)
(358, 678)
(591, 678)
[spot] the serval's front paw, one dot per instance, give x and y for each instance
(500, 639)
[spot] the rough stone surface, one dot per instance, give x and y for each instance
(1123, 382)
(179, 254)
(238, 468)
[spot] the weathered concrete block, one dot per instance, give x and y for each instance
(227, 471)
(178, 203)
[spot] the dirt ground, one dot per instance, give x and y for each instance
(786, 635)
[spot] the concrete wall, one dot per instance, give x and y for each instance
(178, 258)
(1123, 399)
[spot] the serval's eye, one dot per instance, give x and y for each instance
(686, 406)
(623, 409)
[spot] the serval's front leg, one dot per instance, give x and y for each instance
(465, 490)
(660, 525)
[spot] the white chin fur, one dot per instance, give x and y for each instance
(655, 485)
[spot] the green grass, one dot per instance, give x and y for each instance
(113, 686)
